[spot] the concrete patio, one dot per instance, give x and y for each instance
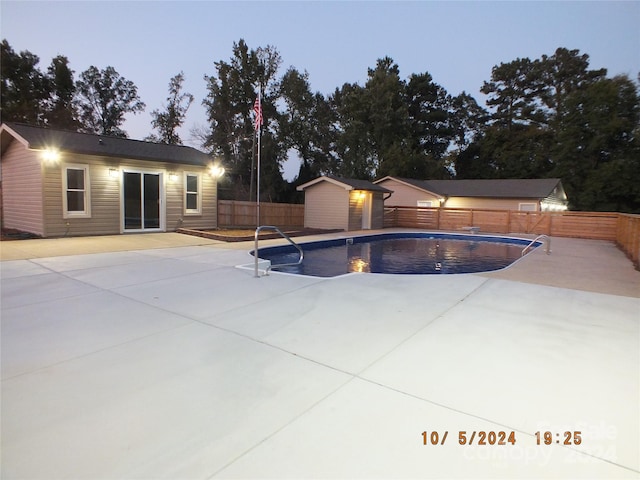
(153, 356)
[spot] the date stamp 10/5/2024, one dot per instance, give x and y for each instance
(583, 445)
(481, 437)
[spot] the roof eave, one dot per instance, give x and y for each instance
(15, 136)
(411, 185)
(323, 178)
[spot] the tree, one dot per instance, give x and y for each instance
(103, 98)
(374, 130)
(353, 144)
(529, 101)
(168, 121)
(24, 88)
(468, 119)
(394, 127)
(229, 103)
(388, 117)
(433, 127)
(598, 147)
(562, 74)
(556, 117)
(307, 126)
(60, 109)
(514, 91)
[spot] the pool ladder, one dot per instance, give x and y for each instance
(547, 243)
(283, 235)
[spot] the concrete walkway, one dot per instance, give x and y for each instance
(56, 247)
(164, 360)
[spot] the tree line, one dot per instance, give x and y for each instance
(548, 117)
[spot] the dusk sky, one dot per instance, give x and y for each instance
(335, 42)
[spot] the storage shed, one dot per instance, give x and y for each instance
(58, 183)
(343, 203)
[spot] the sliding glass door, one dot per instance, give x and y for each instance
(142, 197)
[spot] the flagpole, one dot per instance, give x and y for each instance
(259, 123)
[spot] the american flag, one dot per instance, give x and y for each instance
(257, 108)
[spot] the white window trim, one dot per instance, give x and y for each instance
(198, 209)
(534, 205)
(86, 213)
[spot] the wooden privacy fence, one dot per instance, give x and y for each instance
(628, 236)
(233, 213)
(593, 225)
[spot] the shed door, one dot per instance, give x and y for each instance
(142, 201)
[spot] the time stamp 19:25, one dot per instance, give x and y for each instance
(481, 437)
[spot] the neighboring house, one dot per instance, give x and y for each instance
(343, 203)
(57, 183)
(506, 194)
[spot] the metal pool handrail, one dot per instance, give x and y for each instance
(283, 235)
(547, 242)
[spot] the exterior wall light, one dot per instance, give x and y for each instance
(216, 171)
(552, 207)
(113, 173)
(173, 177)
(50, 155)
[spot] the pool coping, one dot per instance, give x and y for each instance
(430, 235)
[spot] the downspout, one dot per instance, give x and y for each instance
(384, 199)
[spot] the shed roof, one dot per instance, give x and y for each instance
(494, 188)
(346, 183)
(90, 144)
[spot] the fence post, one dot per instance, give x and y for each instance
(233, 213)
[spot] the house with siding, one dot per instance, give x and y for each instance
(332, 202)
(545, 194)
(59, 183)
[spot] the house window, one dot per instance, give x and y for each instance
(192, 194)
(76, 199)
(425, 203)
(527, 207)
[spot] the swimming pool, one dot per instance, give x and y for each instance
(399, 253)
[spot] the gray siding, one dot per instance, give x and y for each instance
(32, 194)
(22, 206)
(407, 196)
(326, 206)
(104, 196)
(489, 203)
(176, 218)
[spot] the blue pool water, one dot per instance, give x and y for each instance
(399, 253)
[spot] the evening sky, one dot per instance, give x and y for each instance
(458, 43)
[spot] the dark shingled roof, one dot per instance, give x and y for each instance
(101, 145)
(359, 184)
(347, 182)
(498, 188)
